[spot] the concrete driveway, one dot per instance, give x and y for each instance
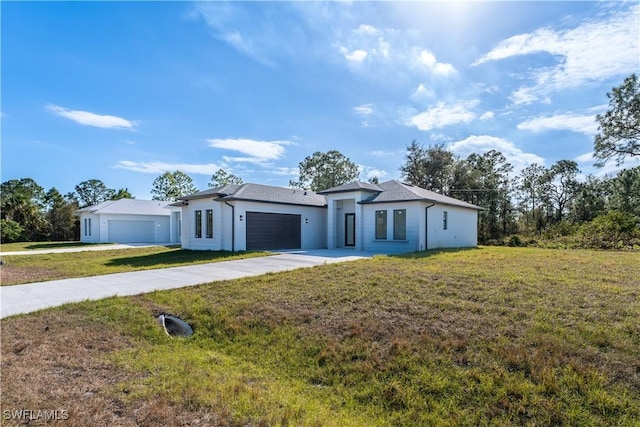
(31, 297)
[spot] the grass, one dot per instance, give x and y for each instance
(30, 246)
(36, 268)
(491, 336)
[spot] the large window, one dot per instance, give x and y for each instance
(445, 220)
(400, 224)
(198, 220)
(209, 223)
(381, 224)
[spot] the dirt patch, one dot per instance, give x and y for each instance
(12, 275)
(57, 362)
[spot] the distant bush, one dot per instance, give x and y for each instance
(613, 230)
(10, 231)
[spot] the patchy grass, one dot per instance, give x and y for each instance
(18, 269)
(493, 336)
(31, 246)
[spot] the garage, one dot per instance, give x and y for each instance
(273, 231)
(122, 231)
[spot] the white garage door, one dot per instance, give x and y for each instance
(131, 231)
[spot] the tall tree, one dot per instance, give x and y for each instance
(22, 208)
(222, 177)
(619, 127)
(171, 185)
(625, 191)
(93, 191)
(431, 168)
(321, 171)
(564, 185)
(491, 186)
(60, 216)
(590, 200)
(532, 185)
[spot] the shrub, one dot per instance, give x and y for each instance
(10, 231)
(613, 230)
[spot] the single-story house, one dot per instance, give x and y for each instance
(130, 221)
(391, 217)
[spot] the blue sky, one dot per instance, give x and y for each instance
(124, 91)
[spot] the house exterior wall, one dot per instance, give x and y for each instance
(339, 204)
(312, 234)
(462, 227)
(100, 226)
(89, 228)
(414, 228)
(189, 239)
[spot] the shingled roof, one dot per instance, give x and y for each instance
(353, 186)
(128, 206)
(261, 193)
(396, 191)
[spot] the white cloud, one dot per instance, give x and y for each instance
(364, 109)
(357, 55)
(481, 144)
(422, 94)
(373, 172)
(586, 157)
(283, 170)
(380, 153)
(442, 115)
(487, 115)
(596, 50)
(91, 119)
(258, 150)
(161, 167)
(581, 124)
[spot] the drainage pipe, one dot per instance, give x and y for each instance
(233, 226)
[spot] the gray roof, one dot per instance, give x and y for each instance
(128, 207)
(262, 193)
(267, 193)
(396, 191)
(353, 186)
(221, 191)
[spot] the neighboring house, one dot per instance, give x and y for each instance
(130, 221)
(390, 217)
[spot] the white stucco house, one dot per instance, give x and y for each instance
(130, 221)
(391, 217)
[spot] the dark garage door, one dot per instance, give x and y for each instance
(272, 231)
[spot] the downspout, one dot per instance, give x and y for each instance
(426, 226)
(233, 226)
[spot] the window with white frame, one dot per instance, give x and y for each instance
(445, 220)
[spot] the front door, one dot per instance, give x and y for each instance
(350, 229)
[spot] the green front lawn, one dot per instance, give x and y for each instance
(489, 336)
(36, 268)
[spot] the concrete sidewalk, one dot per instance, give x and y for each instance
(31, 297)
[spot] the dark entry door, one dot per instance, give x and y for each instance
(273, 231)
(350, 229)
